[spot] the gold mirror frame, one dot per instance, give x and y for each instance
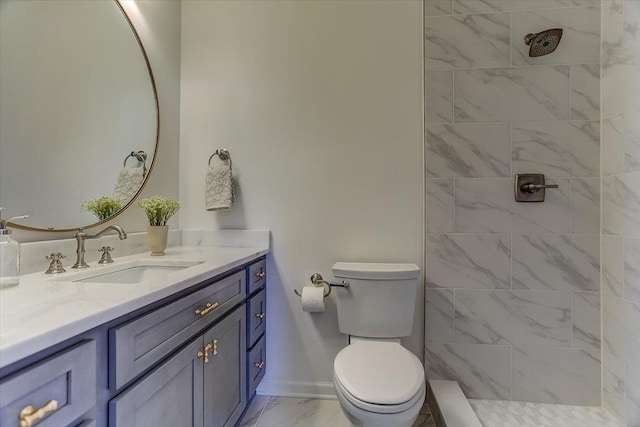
(155, 150)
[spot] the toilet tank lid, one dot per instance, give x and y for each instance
(375, 271)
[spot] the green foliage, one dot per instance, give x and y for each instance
(159, 209)
(102, 207)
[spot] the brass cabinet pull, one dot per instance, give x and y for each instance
(205, 352)
(259, 365)
(261, 274)
(260, 315)
(214, 345)
(29, 415)
(208, 309)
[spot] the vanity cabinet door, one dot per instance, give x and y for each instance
(224, 375)
(170, 396)
(59, 389)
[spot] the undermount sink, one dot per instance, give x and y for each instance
(136, 272)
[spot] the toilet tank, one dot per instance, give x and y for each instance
(380, 299)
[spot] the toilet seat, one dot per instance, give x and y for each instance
(379, 376)
(377, 408)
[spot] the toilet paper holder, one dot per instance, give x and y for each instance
(317, 279)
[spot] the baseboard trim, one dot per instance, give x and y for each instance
(297, 389)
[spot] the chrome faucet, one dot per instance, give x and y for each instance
(81, 236)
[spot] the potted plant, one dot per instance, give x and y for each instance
(102, 207)
(158, 210)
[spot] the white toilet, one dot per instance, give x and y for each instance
(379, 383)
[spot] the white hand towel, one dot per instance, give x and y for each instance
(219, 188)
(128, 183)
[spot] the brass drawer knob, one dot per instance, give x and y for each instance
(261, 274)
(207, 309)
(259, 365)
(260, 315)
(214, 345)
(29, 415)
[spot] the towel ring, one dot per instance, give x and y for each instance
(223, 153)
(141, 156)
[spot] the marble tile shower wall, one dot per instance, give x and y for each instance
(621, 208)
(513, 289)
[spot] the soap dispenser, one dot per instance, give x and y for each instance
(9, 254)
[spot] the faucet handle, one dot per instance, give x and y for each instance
(55, 266)
(106, 255)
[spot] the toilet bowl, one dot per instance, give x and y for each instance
(379, 384)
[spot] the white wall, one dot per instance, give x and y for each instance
(320, 105)
(158, 25)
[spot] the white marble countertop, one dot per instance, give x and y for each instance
(44, 310)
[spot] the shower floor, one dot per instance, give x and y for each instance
(502, 413)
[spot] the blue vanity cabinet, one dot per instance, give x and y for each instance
(192, 359)
(202, 385)
(62, 386)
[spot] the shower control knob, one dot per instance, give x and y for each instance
(531, 187)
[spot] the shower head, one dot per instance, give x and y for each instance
(544, 42)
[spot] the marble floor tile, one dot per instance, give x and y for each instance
(252, 415)
(288, 412)
(285, 412)
(499, 413)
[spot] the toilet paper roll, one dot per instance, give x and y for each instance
(313, 299)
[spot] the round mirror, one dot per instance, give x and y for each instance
(78, 112)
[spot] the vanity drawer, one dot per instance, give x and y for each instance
(66, 380)
(136, 346)
(257, 320)
(87, 423)
(256, 365)
(257, 276)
